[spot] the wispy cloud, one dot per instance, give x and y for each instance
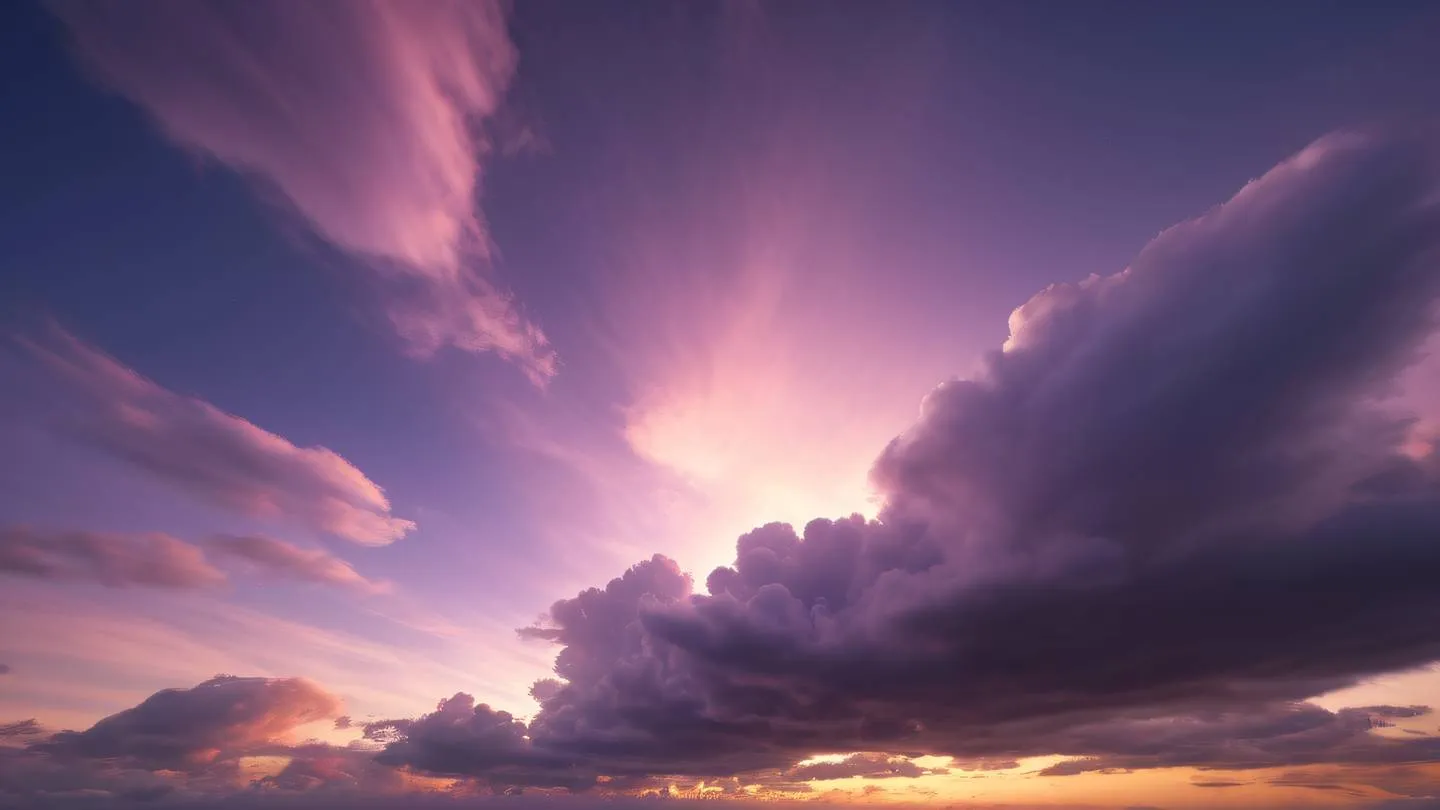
(117, 560)
(282, 559)
(364, 118)
(216, 456)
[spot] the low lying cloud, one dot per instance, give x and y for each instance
(117, 560)
(183, 729)
(218, 457)
(363, 118)
(281, 559)
(866, 766)
(1174, 506)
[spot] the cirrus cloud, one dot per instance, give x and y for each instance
(218, 457)
(282, 559)
(364, 118)
(117, 560)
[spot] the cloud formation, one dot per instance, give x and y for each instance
(215, 456)
(182, 729)
(363, 118)
(866, 766)
(1177, 497)
(117, 560)
(282, 559)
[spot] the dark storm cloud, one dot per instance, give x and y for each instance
(1174, 498)
(117, 560)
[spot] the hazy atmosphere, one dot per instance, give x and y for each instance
(454, 403)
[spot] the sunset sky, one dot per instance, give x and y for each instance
(1003, 404)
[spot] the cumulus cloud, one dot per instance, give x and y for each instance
(281, 559)
(1174, 504)
(5, 669)
(363, 118)
(117, 560)
(215, 456)
(182, 729)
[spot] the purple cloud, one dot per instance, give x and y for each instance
(182, 729)
(362, 118)
(281, 559)
(117, 560)
(216, 456)
(1175, 503)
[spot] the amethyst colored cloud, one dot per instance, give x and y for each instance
(181, 729)
(281, 559)
(215, 456)
(117, 560)
(1177, 496)
(363, 118)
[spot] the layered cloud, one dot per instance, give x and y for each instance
(278, 558)
(117, 560)
(1176, 503)
(364, 119)
(219, 458)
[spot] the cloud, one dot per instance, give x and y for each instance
(281, 559)
(461, 738)
(20, 729)
(1283, 735)
(182, 729)
(868, 766)
(364, 119)
(5, 669)
(215, 456)
(1177, 501)
(117, 560)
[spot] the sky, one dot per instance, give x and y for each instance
(993, 404)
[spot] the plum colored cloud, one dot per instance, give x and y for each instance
(363, 118)
(281, 559)
(1178, 496)
(180, 729)
(215, 456)
(117, 560)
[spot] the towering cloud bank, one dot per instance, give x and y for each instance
(364, 118)
(1177, 493)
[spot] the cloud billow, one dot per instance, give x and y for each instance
(1176, 493)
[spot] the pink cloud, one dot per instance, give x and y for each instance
(281, 559)
(361, 117)
(184, 728)
(216, 456)
(118, 560)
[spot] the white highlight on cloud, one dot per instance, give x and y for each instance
(364, 117)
